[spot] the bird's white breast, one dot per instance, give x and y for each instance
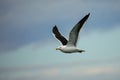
(68, 49)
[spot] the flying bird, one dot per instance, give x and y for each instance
(69, 46)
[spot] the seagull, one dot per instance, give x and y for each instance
(69, 46)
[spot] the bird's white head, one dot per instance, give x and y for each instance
(59, 48)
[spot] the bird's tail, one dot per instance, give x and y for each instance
(81, 51)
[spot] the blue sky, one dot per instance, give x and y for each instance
(27, 46)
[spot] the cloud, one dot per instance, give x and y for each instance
(98, 44)
(26, 40)
(25, 12)
(54, 72)
(24, 22)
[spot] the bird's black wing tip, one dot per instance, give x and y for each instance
(88, 14)
(55, 30)
(55, 26)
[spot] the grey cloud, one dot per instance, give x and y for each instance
(25, 21)
(69, 72)
(82, 63)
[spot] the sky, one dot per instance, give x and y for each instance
(27, 45)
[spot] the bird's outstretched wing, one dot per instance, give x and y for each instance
(73, 36)
(59, 36)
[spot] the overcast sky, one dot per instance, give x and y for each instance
(27, 46)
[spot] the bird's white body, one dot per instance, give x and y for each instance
(69, 49)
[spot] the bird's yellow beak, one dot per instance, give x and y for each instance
(57, 48)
